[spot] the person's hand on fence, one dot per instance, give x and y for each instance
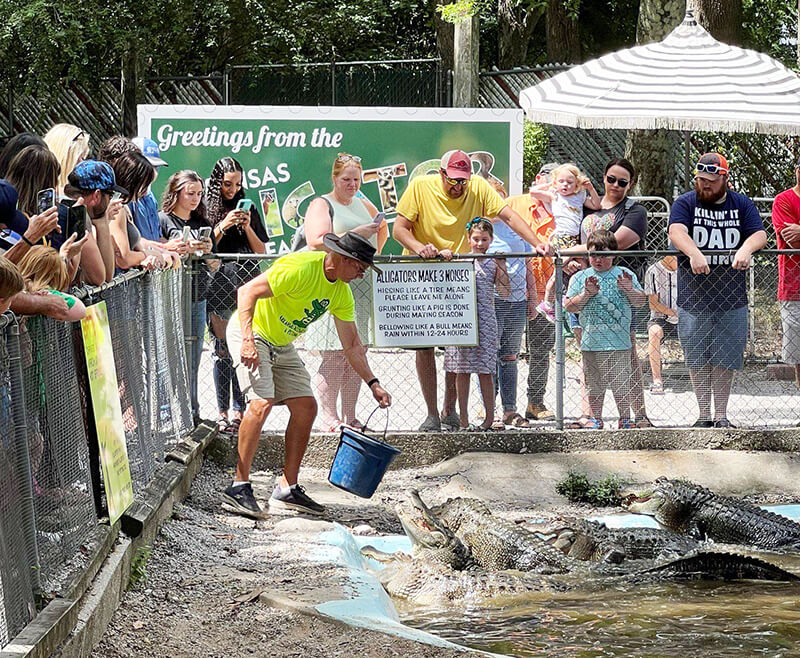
(177, 246)
(171, 260)
(591, 286)
(249, 353)
(791, 233)
(41, 225)
(428, 251)
(72, 246)
(625, 282)
(152, 262)
(446, 254)
(572, 265)
(741, 259)
(699, 263)
(544, 249)
(381, 396)
(53, 306)
(213, 264)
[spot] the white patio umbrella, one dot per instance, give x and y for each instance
(688, 81)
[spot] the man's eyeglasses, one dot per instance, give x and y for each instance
(622, 182)
(346, 157)
(710, 169)
(454, 181)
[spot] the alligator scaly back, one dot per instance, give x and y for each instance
(499, 544)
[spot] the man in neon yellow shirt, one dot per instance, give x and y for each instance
(274, 309)
(431, 222)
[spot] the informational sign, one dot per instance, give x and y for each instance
(107, 411)
(425, 305)
(287, 153)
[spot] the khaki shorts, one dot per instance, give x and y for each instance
(611, 369)
(280, 375)
(790, 318)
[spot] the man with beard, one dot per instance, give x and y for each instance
(712, 287)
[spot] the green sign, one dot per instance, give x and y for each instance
(287, 152)
(107, 411)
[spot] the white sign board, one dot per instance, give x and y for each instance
(425, 305)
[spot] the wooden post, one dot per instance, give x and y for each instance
(465, 63)
(129, 84)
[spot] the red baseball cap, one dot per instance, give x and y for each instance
(711, 166)
(456, 164)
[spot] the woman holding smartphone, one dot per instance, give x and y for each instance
(183, 212)
(337, 212)
(236, 231)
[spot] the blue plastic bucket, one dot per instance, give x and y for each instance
(360, 462)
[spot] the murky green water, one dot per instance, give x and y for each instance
(690, 620)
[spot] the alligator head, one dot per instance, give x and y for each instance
(671, 502)
(430, 538)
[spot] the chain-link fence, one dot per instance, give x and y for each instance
(50, 481)
(401, 83)
(657, 384)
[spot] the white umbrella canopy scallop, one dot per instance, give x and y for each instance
(687, 82)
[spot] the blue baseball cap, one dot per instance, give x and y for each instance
(95, 175)
(9, 215)
(150, 150)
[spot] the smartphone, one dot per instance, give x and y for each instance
(204, 233)
(187, 234)
(45, 199)
(244, 204)
(379, 218)
(76, 221)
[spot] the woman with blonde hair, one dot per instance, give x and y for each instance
(337, 212)
(182, 207)
(46, 271)
(70, 145)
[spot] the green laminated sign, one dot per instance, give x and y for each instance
(107, 411)
(287, 153)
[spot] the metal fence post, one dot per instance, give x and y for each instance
(333, 83)
(186, 302)
(21, 453)
(559, 329)
(226, 85)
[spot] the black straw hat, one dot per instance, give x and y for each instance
(351, 245)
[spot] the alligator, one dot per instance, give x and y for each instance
(698, 512)
(441, 569)
(594, 541)
(497, 543)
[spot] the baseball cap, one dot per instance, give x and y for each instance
(9, 215)
(456, 164)
(150, 150)
(711, 166)
(95, 175)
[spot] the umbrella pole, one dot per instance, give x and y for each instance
(687, 158)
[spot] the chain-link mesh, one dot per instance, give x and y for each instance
(403, 83)
(16, 522)
(757, 399)
(65, 514)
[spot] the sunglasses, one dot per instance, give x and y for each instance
(346, 157)
(454, 181)
(78, 136)
(710, 169)
(622, 182)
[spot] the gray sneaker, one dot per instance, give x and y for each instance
(295, 499)
(240, 500)
(431, 424)
(451, 422)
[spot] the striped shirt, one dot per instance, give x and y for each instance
(658, 280)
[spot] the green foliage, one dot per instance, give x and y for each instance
(139, 567)
(577, 488)
(535, 138)
(457, 11)
(770, 26)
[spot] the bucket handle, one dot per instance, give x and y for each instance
(386, 427)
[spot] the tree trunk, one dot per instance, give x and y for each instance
(130, 83)
(444, 36)
(722, 18)
(563, 35)
(653, 152)
(515, 27)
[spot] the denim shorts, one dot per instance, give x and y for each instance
(716, 338)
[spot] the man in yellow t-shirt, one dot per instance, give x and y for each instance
(431, 222)
(274, 309)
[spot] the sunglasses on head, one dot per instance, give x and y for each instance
(710, 169)
(454, 181)
(622, 182)
(346, 157)
(78, 136)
